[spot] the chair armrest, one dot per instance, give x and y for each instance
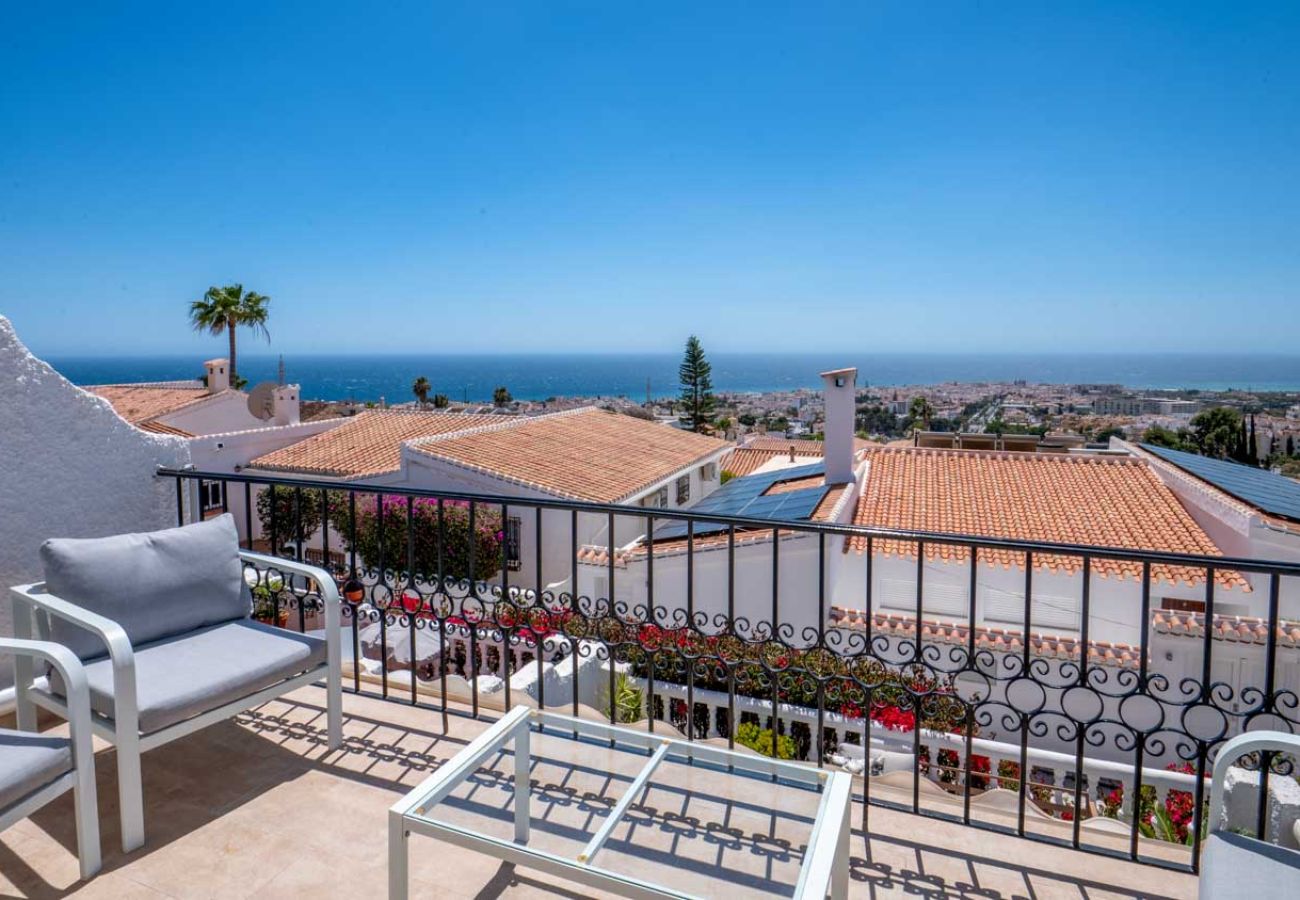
(111, 633)
(74, 680)
(1229, 753)
(63, 659)
(30, 597)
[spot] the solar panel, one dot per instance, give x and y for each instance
(1264, 490)
(747, 496)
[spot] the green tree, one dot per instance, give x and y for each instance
(420, 388)
(696, 377)
(223, 309)
(1290, 445)
(501, 396)
(921, 410)
(1160, 436)
(440, 401)
(1252, 448)
(1217, 432)
(291, 508)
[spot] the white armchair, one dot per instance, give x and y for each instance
(179, 656)
(1234, 866)
(34, 768)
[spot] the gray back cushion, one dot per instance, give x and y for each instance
(154, 585)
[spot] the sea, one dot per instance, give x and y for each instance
(472, 378)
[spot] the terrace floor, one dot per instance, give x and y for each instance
(257, 807)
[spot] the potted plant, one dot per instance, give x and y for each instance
(264, 606)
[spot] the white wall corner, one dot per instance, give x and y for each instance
(72, 467)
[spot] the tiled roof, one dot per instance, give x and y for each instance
(1053, 498)
(585, 454)
(160, 428)
(367, 444)
(758, 451)
(995, 639)
(139, 403)
(1240, 629)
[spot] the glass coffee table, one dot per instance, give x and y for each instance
(631, 813)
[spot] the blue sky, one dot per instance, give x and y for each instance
(605, 176)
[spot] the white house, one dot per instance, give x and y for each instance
(584, 454)
(826, 582)
(191, 408)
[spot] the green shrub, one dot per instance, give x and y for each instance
(629, 702)
(760, 740)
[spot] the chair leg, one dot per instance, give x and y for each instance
(24, 671)
(130, 792)
(86, 805)
(334, 708)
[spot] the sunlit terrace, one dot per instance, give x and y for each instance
(258, 807)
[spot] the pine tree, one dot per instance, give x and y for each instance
(1252, 449)
(1242, 440)
(696, 376)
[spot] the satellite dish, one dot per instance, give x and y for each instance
(261, 400)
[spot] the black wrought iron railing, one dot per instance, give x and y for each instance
(778, 635)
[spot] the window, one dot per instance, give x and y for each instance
(514, 526)
(657, 500)
(709, 472)
(1178, 604)
(683, 489)
(212, 496)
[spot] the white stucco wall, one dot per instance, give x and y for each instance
(220, 414)
(69, 467)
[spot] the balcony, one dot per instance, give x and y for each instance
(255, 807)
(985, 762)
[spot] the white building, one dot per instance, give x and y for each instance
(1091, 499)
(586, 454)
(192, 408)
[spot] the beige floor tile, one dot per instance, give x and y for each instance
(259, 807)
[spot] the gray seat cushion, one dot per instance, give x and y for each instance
(154, 585)
(29, 762)
(1233, 866)
(181, 677)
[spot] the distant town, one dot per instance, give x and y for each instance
(1058, 414)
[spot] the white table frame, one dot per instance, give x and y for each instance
(826, 862)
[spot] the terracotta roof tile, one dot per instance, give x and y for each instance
(1240, 629)
(996, 639)
(1053, 498)
(139, 403)
(160, 428)
(367, 444)
(586, 454)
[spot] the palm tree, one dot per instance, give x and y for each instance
(225, 308)
(440, 401)
(501, 396)
(421, 390)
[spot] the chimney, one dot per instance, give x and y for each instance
(839, 394)
(284, 405)
(218, 375)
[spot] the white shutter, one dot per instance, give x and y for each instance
(1046, 611)
(938, 598)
